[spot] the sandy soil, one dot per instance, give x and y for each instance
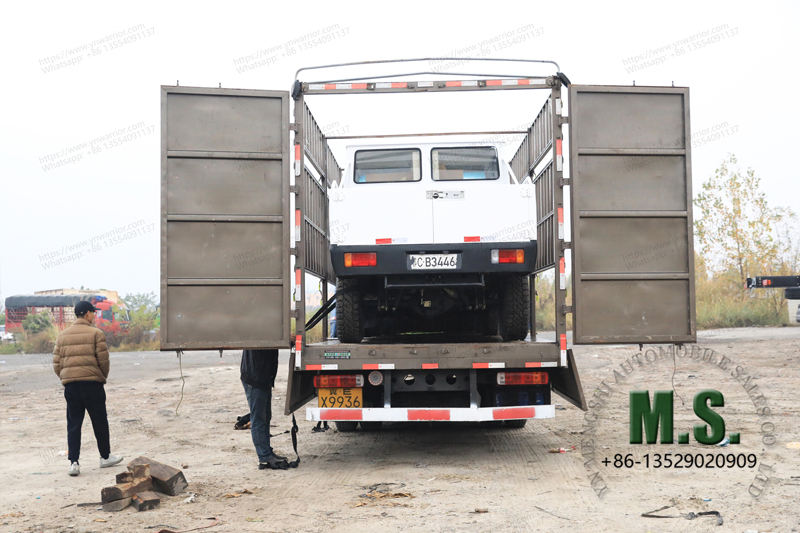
(422, 477)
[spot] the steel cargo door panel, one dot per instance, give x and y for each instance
(633, 257)
(224, 219)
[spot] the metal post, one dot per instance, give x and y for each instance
(300, 258)
(558, 237)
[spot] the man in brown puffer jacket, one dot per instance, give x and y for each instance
(80, 360)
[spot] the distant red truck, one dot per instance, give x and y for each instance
(60, 307)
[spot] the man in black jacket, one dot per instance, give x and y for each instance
(258, 371)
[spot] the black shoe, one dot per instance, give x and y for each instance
(273, 463)
(279, 457)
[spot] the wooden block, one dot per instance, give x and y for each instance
(117, 505)
(144, 501)
(124, 477)
(126, 490)
(140, 470)
(166, 479)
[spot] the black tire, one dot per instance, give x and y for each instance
(371, 426)
(346, 427)
(491, 323)
(515, 308)
(792, 293)
(349, 311)
(516, 424)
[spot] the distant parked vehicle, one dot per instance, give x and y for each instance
(4, 335)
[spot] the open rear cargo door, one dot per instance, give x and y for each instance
(225, 222)
(633, 256)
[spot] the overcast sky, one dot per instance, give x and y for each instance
(741, 77)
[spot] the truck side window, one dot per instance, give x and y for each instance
(456, 164)
(387, 166)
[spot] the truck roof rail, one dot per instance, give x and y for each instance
(387, 61)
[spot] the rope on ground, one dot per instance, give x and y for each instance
(183, 380)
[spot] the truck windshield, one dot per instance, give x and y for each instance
(387, 166)
(476, 163)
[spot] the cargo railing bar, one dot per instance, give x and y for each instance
(388, 61)
(428, 134)
(491, 84)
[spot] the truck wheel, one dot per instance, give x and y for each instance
(346, 427)
(490, 322)
(371, 426)
(515, 309)
(349, 311)
(516, 424)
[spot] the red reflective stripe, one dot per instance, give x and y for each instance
(298, 342)
(472, 239)
(297, 217)
(383, 241)
(430, 366)
(359, 86)
(524, 82)
(297, 277)
(399, 85)
(330, 86)
(424, 414)
(297, 152)
(560, 215)
(558, 146)
(313, 367)
(340, 414)
(533, 365)
(514, 412)
(480, 365)
(563, 342)
(453, 84)
(369, 367)
(562, 265)
(494, 82)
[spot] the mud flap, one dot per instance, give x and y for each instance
(567, 383)
(300, 388)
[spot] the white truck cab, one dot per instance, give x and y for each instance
(431, 237)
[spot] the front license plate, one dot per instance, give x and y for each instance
(432, 261)
(345, 398)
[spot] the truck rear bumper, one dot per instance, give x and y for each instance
(431, 414)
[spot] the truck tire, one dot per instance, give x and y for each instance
(346, 427)
(792, 293)
(371, 426)
(349, 311)
(515, 309)
(490, 323)
(516, 424)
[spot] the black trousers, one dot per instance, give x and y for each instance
(85, 396)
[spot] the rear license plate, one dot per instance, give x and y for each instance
(344, 398)
(432, 261)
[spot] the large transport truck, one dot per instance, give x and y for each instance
(250, 186)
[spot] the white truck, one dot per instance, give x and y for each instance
(425, 239)
(431, 237)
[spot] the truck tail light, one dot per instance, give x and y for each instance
(361, 260)
(338, 382)
(508, 256)
(522, 378)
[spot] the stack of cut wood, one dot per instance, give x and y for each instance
(135, 486)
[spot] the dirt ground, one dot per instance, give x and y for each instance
(416, 477)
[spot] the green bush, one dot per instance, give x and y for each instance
(36, 323)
